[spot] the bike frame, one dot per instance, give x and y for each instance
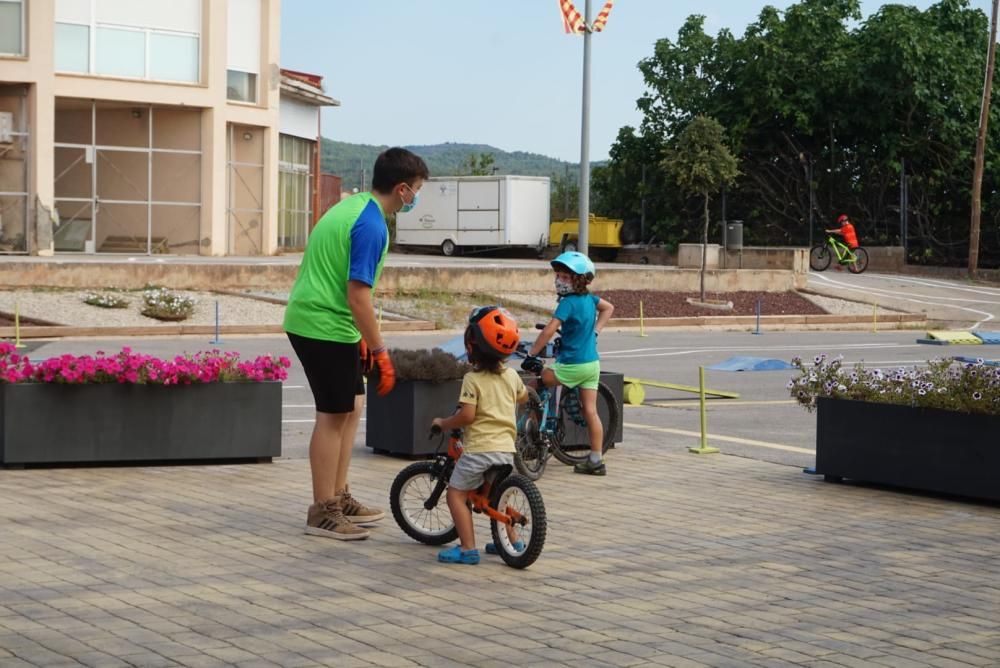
(847, 256)
(480, 498)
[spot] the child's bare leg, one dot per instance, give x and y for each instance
(462, 516)
(588, 399)
(549, 378)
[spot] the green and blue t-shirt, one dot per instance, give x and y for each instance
(349, 243)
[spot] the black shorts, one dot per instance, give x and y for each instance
(333, 370)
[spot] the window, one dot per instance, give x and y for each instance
(120, 52)
(72, 47)
(123, 38)
(241, 86)
(11, 27)
(243, 49)
(173, 57)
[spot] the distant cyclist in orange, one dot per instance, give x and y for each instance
(847, 231)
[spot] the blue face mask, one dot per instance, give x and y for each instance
(408, 206)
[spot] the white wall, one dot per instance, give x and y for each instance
(243, 36)
(298, 118)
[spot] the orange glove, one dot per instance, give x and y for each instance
(386, 372)
(367, 361)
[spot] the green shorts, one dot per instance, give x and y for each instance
(585, 376)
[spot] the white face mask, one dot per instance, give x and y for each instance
(563, 288)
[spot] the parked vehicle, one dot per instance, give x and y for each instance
(606, 235)
(456, 213)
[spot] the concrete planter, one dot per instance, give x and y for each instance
(399, 422)
(43, 423)
(924, 449)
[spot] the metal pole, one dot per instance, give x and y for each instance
(812, 201)
(902, 199)
(583, 235)
(642, 215)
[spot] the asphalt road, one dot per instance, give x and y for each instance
(952, 302)
(762, 424)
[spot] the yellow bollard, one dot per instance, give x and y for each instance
(642, 326)
(703, 449)
(17, 325)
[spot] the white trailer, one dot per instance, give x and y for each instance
(478, 212)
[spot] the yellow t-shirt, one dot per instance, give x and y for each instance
(495, 397)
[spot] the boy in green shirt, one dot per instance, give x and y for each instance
(330, 319)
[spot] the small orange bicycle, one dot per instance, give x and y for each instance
(512, 502)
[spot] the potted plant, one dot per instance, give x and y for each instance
(129, 407)
(931, 428)
(427, 386)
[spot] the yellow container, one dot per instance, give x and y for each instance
(604, 232)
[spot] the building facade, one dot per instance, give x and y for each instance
(142, 126)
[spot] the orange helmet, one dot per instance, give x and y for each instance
(492, 330)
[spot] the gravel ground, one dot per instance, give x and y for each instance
(66, 307)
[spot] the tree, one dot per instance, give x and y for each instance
(702, 164)
(984, 117)
(855, 97)
(479, 165)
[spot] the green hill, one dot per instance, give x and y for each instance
(347, 160)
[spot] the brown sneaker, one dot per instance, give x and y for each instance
(326, 518)
(356, 511)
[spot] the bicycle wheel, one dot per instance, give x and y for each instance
(531, 451)
(819, 258)
(860, 261)
(412, 487)
(607, 410)
(520, 544)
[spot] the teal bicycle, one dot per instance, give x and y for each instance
(821, 255)
(542, 421)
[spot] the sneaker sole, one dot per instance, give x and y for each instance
(597, 472)
(316, 531)
(365, 519)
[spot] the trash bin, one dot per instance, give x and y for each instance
(732, 235)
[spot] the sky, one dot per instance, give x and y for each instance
(412, 72)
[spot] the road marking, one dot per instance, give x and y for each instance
(715, 403)
(313, 420)
(897, 295)
(298, 405)
(619, 356)
(716, 437)
(292, 387)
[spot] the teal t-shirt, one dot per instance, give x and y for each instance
(578, 314)
(349, 243)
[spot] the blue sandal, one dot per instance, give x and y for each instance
(456, 555)
(518, 546)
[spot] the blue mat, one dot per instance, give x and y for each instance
(456, 347)
(989, 337)
(750, 364)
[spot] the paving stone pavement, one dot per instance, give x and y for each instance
(673, 559)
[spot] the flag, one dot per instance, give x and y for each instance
(572, 19)
(602, 17)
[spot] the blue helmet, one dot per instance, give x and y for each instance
(576, 263)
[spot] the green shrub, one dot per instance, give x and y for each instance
(162, 304)
(106, 299)
(434, 365)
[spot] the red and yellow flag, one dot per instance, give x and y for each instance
(602, 17)
(573, 21)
